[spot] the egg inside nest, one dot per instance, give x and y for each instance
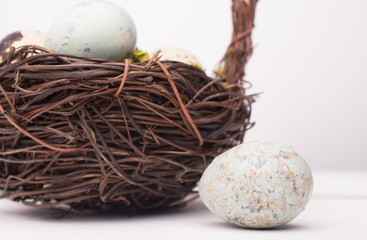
(20, 38)
(96, 29)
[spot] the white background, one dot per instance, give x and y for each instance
(309, 60)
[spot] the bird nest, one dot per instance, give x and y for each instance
(89, 133)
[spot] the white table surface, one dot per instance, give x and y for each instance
(337, 210)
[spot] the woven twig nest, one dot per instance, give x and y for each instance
(89, 133)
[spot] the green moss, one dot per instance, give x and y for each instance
(185, 74)
(221, 71)
(197, 65)
(139, 56)
(224, 84)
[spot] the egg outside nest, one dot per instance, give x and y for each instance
(257, 184)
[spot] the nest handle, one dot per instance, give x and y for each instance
(232, 65)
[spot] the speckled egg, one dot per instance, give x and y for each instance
(179, 54)
(20, 38)
(257, 184)
(95, 28)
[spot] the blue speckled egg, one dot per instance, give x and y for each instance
(95, 28)
(257, 184)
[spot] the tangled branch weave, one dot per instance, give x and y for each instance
(88, 133)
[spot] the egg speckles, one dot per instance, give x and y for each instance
(96, 28)
(257, 185)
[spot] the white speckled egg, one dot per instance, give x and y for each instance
(95, 28)
(180, 55)
(257, 184)
(20, 38)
